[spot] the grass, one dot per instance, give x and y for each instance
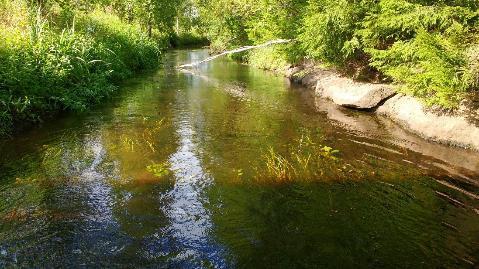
(308, 160)
(48, 67)
(304, 160)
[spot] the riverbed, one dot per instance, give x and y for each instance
(194, 169)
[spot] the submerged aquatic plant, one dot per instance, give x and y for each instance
(159, 170)
(279, 166)
(147, 140)
(304, 160)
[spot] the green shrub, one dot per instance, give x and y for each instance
(270, 58)
(395, 20)
(473, 64)
(428, 66)
(67, 70)
(422, 45)
(132, 49)
(428, 47)
(329, 28)
(188, 39)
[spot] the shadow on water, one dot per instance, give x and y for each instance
(227, 166)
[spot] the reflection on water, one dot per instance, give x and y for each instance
(190, 222)
(175, 173)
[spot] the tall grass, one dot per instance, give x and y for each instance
(47, 68)
(303, 160)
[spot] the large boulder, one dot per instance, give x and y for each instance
(447, 129)
(348, 93)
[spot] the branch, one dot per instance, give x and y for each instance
(245, 48)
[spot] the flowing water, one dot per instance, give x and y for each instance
(227, 166)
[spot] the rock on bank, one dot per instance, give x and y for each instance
(447, 129)
(409, 112)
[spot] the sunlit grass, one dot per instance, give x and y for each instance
(303, 160)
(278, 166)
(308, 159)
(48, 65)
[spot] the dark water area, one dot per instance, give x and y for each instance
(193, 169)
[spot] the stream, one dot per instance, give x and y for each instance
(181, 170)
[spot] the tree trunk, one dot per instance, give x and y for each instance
(177, 30)
(150, 25)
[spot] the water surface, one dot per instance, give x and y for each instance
(173, 173)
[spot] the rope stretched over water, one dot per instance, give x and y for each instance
(269, 43)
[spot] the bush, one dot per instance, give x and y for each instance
(423, 47)
(473, 64)
(45, 71)
(429, 47)
(329, 28)
(188, 39)
(270, 58)
(428, 66)
(130, 49)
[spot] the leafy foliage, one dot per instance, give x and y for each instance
(429, 66)
(159, 169)
(64, 55)
(423, 46)
(269, 58)
(428, 47)
(45, 70)
(187, 39)
(329, 28)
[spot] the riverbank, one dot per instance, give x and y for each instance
(429, 48)
(458, 128)
(54, 66)
(68, 56)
